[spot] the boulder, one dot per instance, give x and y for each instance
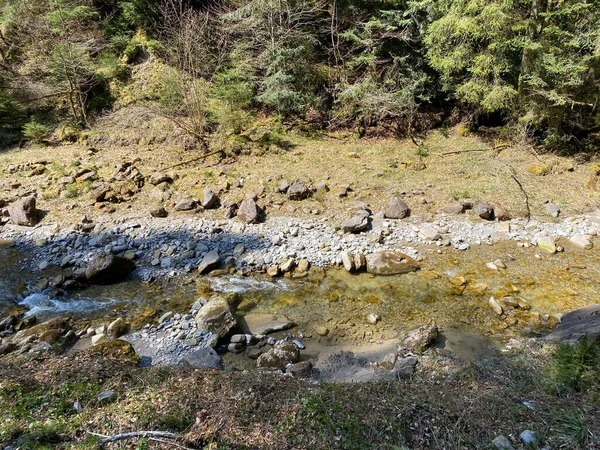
(160, 177)
(582, 241)
(390, 263)
(298, 191)
(185, 204)
(454, 208)
(283, 187)
(421, 338)
(108, 269)
(405, 367)
(578, 324)
(202, 358)
(484, 210)
(159, 212)
(257, 323)
(553, 209)
(396, 209)
(249, 211)
(24, 212)
(117, 328)
(547, 243)
(301, 369)
(279, 356)
(210, 200)
(500, 212)
(355, 224)
(210, 261)
(216, 316)
(429, 232)
(348, 261)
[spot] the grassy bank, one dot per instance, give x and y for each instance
(446, 405)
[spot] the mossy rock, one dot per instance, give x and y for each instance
(116, 349)
(539, 171)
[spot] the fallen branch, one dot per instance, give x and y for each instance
(497, 148)
(206, 155)
(134, 435)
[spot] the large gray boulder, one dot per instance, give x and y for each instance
(355, 224)
(216, 316)
(484, 210)
(108, 269)
(298, 191)
(396, 209)
(210, 199)
(24, 212)
(210, 261)
(249, 211)
(390, 263)
(577, 325)
(203, 358)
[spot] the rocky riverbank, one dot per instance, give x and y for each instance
(167, 247)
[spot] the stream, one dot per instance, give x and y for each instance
(452, 289)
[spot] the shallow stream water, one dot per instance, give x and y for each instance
(453, 289)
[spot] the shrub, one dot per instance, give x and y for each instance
(574, 367)
(35, 131)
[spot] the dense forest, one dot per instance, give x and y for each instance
(216, 67)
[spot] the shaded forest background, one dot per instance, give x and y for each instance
(531, 68)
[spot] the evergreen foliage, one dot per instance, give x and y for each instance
(532, 64)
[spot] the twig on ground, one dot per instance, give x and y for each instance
(497, 148)
(132, 435)
(197, 158)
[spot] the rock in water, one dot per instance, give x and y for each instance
(547, 243)
(108, 269)
(117, 328)
(390, 263)
(24, 212)
(279, 356)
(421, 338)
(582, 241)
(256, 323)
(578, 324)
(484, 210)
(298, 191)
(216, 316)
(210, 261)
(249, 211)
(396, 209)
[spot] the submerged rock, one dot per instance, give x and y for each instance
(108, 269)
(390, 263)
(256, 323)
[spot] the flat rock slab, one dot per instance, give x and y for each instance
(390, 263)
(577, 325)
(265, 323)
